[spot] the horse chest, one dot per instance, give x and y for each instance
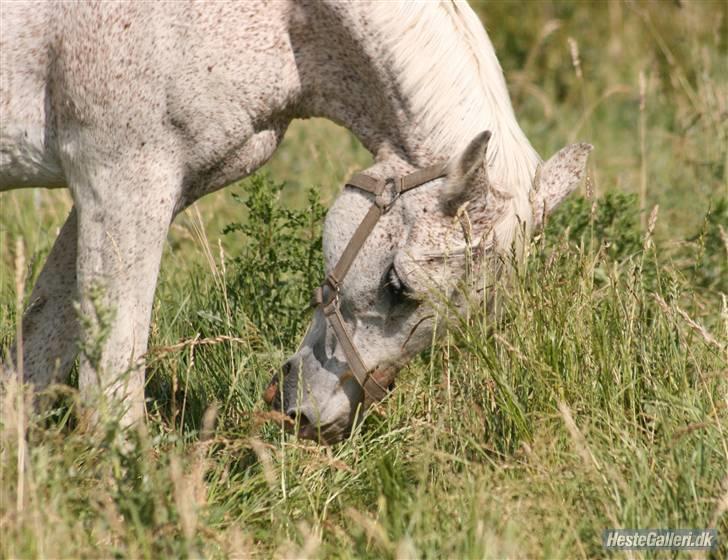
(27, 158)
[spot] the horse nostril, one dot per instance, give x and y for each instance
(300, 417)
(286, 368)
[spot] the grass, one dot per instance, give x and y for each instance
(598, 400)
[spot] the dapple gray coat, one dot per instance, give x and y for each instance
(142, 108)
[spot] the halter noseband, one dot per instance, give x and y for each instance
(326, 296)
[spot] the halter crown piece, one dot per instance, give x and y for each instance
(326, 295)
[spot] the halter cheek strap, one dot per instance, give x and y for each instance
(326, 296)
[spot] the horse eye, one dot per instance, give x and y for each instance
(394, 284)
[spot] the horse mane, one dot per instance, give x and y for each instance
(442, 53)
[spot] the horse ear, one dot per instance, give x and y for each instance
(467, 177)
(557, 178)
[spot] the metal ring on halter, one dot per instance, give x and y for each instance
(396, 185)
(325, 293)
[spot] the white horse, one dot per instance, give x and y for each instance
(142, 108)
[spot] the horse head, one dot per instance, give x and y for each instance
(432, 248)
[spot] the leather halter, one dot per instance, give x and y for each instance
(326, 296)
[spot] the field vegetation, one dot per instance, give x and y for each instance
(598, 399)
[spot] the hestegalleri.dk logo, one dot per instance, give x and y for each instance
(660, 539)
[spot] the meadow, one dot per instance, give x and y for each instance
(599, 398)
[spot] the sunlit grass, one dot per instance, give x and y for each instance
(599, 400)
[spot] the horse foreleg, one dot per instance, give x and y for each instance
(124, 212)
(50, 329)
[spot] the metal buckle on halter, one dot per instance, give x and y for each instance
(326, 293)
(335, 286)
(379, 200)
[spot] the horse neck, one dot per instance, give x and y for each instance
(414, 81)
